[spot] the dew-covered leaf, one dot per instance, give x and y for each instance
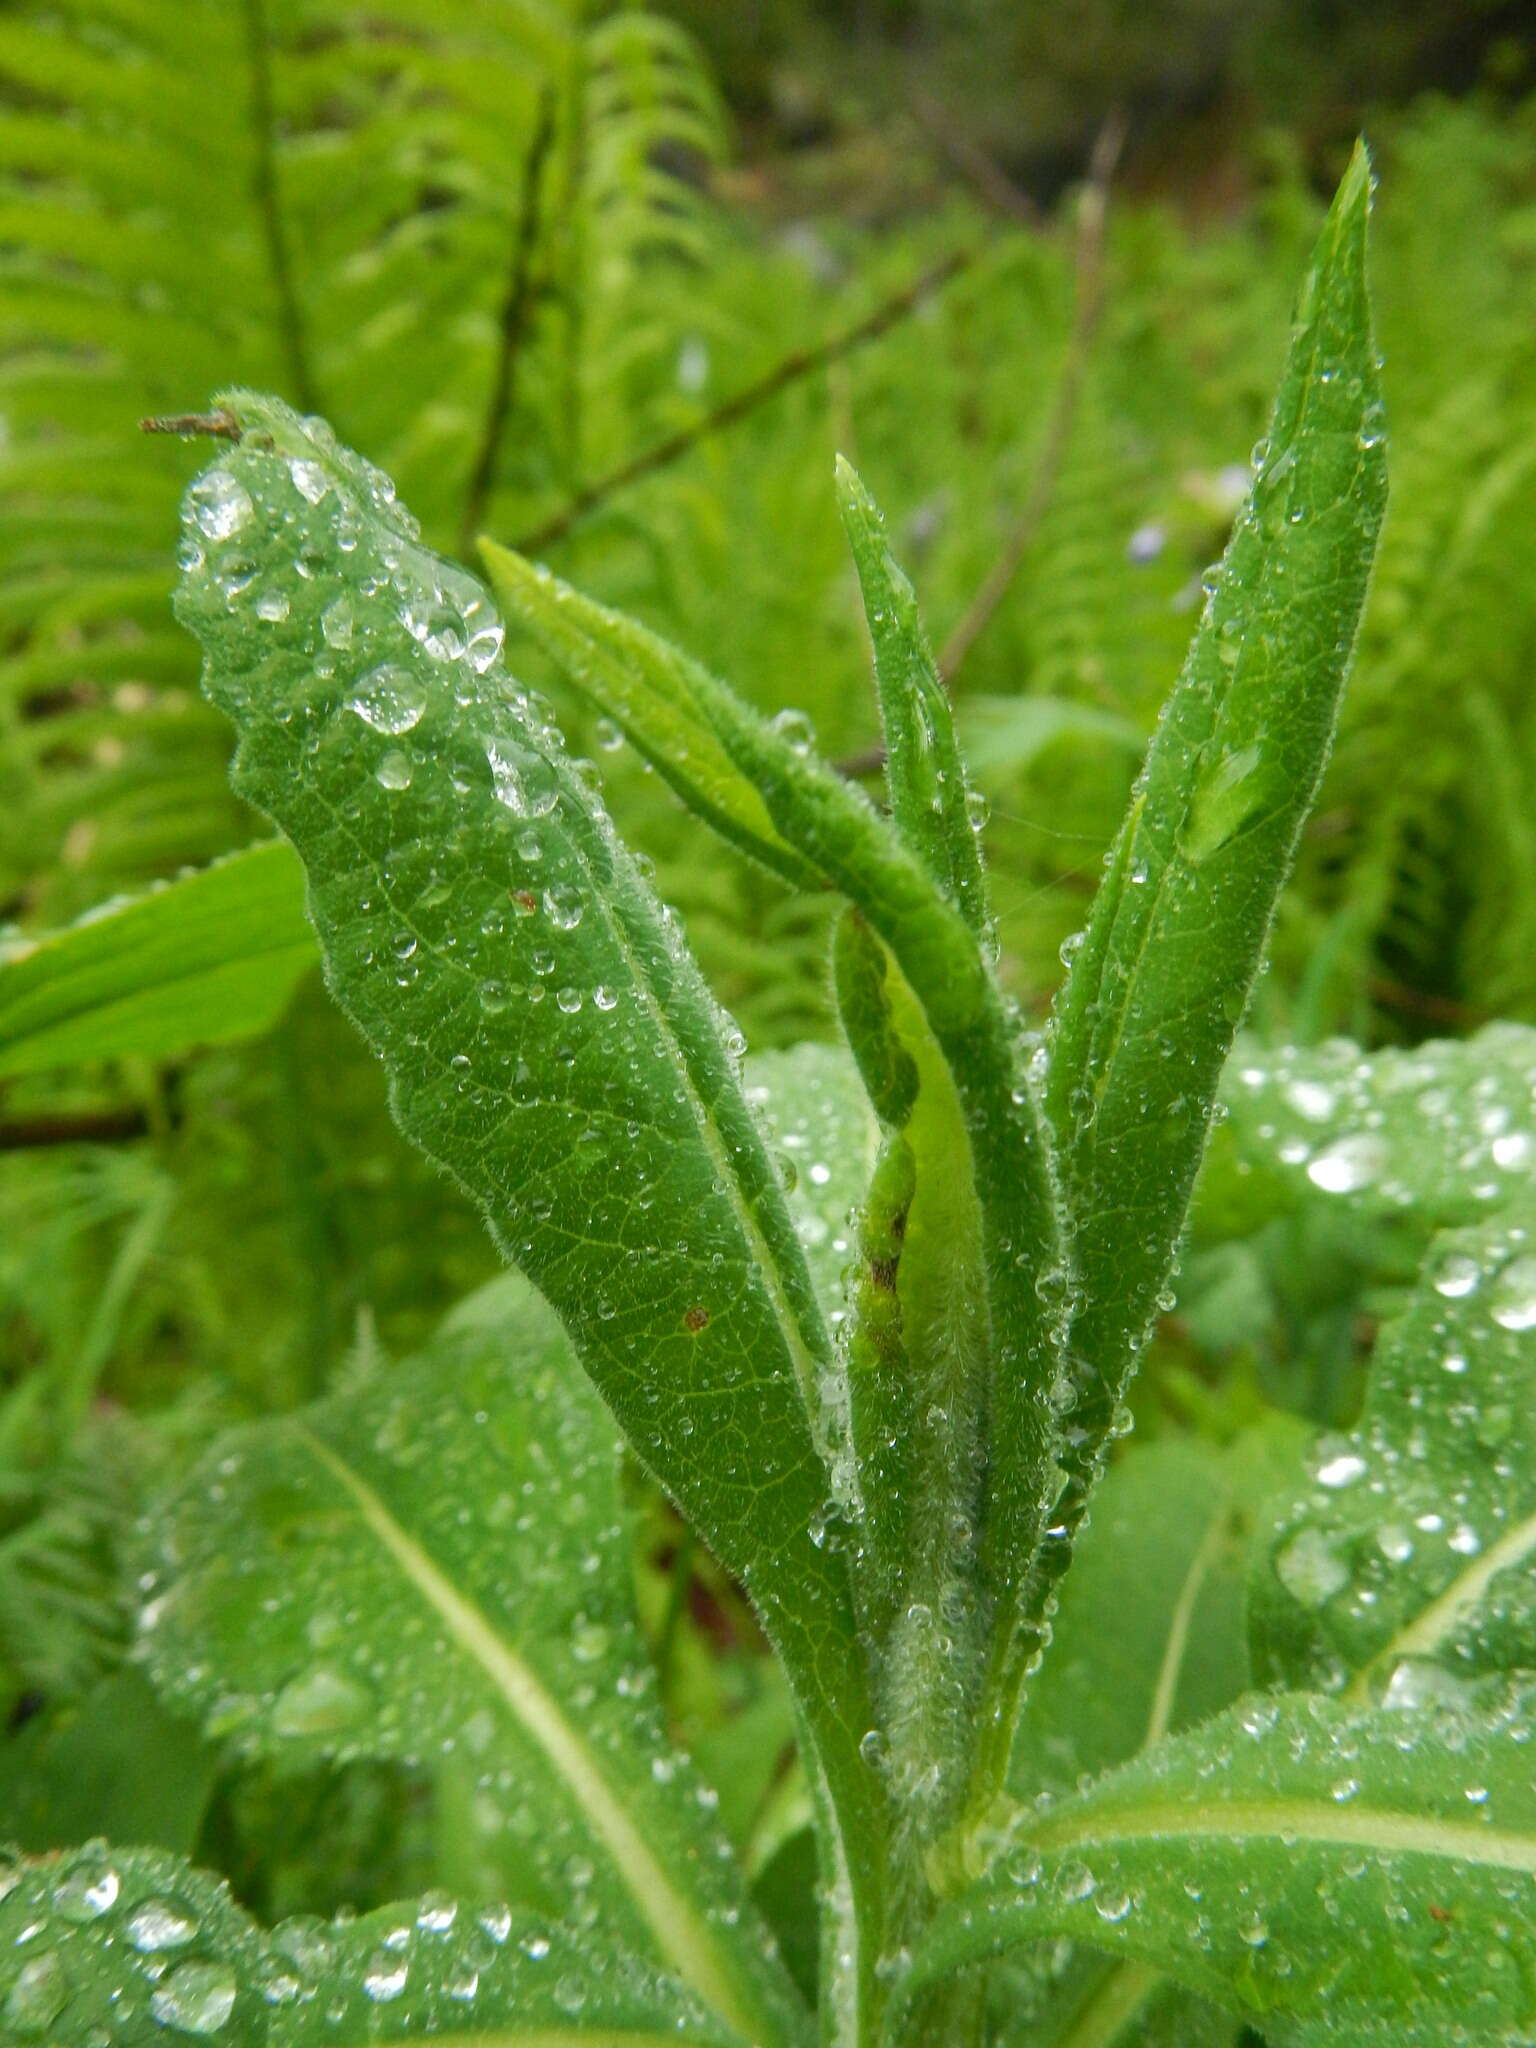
(437, 1564)
(212, 956)
(1407, 1570)
(923, 769)
(1443, 1132)
(548, 1038)
(1294, 1861)
(132, 1948)
(1163, 973)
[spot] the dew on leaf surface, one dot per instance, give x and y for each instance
(390, 699)
(196, 1998)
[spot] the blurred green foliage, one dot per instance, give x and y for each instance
(508, 250)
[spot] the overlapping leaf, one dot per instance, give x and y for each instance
(437, 1565)
(212, 956)
(137, 1948)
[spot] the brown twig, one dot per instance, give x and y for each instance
(1087, 308)
(87, 1127)
(221, 423)
(790, 370)
(513, 325)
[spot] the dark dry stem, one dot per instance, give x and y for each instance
(221, 424)
(790, 370)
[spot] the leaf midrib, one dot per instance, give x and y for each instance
(1306, 1821)
(679, 1930)
(1430, 1628)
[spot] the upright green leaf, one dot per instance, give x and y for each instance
(1005, 1140)
(923, 768)
(1407, 1570)
(1295, 1861)
(136, 1948)
(1163, 973)
(547, 1036)
(211, 956)
(438, 1565)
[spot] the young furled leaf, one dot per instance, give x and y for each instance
(923, 768)
(548, 1038)
(1163, 973)
(438, 1565)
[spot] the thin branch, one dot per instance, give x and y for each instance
(88, 1127)
(513, 327)
(222, 424)
(802, 363)
(979, 170)
(1088, 306)
(264, 191)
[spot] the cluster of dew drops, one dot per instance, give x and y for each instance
(161, 1941)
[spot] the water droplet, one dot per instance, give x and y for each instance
(1513, 1149)
(1225, 798)
(309, 479)
(389, 698)
(272, 606)
(37, 1996)
(1350, 1164)
(337, 623)
(1458, 1276)
(160, 1924)
(795, 729)
(395, 770)
(385, 1977)
(569, 1000)
(563, 906)
(437, 1912)
(219, 505)
(1309, 1570)
(87, 1889)
(196, 1998)
(1514, 1299)
(319, 1702)
(1341, 1470)
(437, 627)
(604, 998)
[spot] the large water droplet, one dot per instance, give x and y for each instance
(160, 1924)
(87, 1889)
(37, 1997)
(1309, 1570)
(1514, 1296)
(1224, 799)
(389, 698)
(196, 1998)
(219, 505)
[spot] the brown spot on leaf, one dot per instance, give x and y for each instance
(695, 1319)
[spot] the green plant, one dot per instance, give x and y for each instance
(887, 1430)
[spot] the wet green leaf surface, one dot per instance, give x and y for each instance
(140, 1949)
(438, 1566)
(209, 957)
